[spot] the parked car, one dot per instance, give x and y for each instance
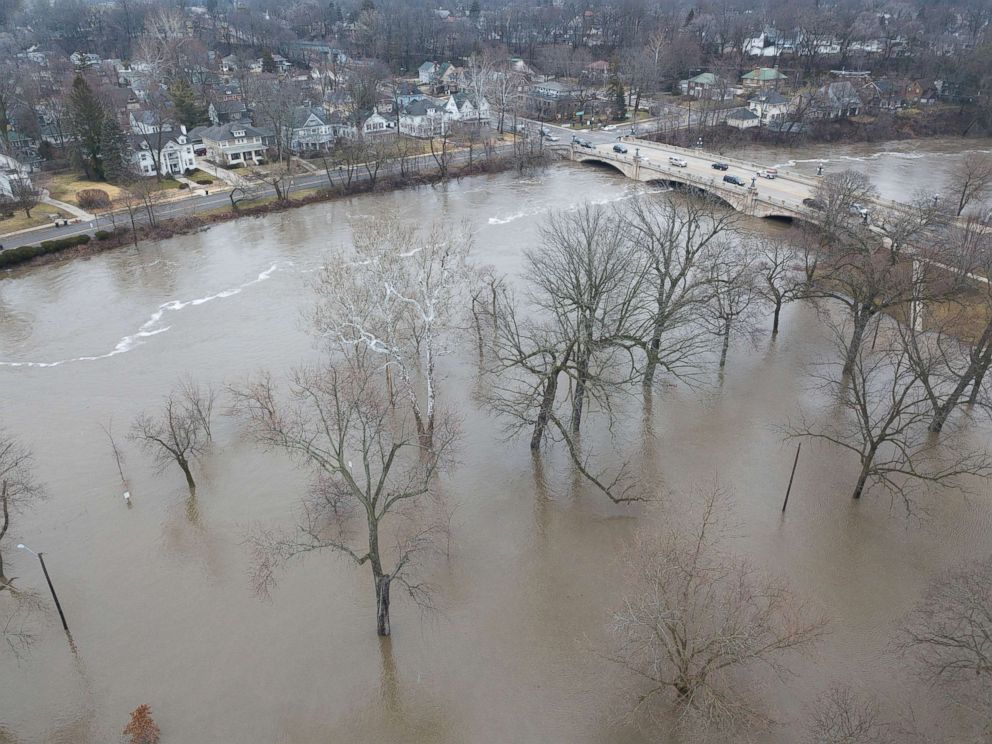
(859, 210)
(677, 162)
(552, 138)
(619, 148)
(587, 144)
(813, 203)
(736, 180)
(770, 174)
(719, 166)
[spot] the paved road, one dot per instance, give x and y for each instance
(221, 198)
(699, 164)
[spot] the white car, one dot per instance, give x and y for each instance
(677, 162)
(770, 174)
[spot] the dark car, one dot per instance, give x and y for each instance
(813, 203)
(736, 180)
(619, 148)
(719, 166)
(587, 143)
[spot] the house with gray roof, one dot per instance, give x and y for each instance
(234, 143)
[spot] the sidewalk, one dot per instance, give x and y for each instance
(70, 208)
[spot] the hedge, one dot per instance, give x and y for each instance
(14, 256)
(203, 181)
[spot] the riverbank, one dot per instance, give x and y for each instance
(905, 124)
(125, 231)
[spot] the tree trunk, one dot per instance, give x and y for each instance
(4, 502)
(778, 311)
(866, 463)
(976, 386)
(861, 318)
(726, 343)
(184, 464)
(544, 414)
(382, 605)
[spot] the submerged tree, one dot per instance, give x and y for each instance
(17, 487)
(883, 419)
(397, 295)
(842, 716)
(949, 637)
(585, 281)
(695, 617)
(180, 433)
(372, 474)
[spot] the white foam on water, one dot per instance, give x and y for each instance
(152, 326)
(629, 194)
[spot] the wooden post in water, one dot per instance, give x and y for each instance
(793, 475)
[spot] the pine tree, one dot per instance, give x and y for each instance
(268, 64)
(115, 150)
(188, 108)
(86, 115)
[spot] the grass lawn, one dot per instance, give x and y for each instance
(198, 174)
(43, 214)
(166, 184)
(65, 186)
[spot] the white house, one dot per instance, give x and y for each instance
(425, 117)
(148, 122)
(770, 106)
(468, 108)
(742, 118)
(176, 156)
(235, 143)
(426, 72)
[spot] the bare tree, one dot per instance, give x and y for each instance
(369, 466)
(679, 241)
(585, 280)
(18, 488)
(883, 420)
(842, 716)
(782, 277)
(25, 195)
(180, 433)
(732, 309)
(397, 294)
(949, 637)
(971, 182)
(696, 617)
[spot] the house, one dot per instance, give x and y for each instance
(769, 106)
(882, 95)
(597, 71)
(836, 101)
(552, 100)
(223, 111)
(742, 118)
(144, 121)
(236, 143)
(229, 63)
(467, 108)
(405, 93)
(426, 72)
(424, 118)
(762, 78)
(83, 60)
(176, 155)
(377, 125)
(11, 172)
(707, 86)
(312, 128)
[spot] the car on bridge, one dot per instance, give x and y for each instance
(736, 180)
(813, 203)
(719, 166)
(677, 162)
(620, 149)
(587, 144)
(769, 173)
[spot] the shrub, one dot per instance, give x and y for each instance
(14, 256)
(182, 186)
(142, 729)
(204, 181)
(93, 198)
(102, 235)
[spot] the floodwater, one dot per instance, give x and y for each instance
(161, 610)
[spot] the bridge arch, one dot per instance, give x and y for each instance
(606, 163)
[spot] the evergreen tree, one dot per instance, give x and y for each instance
(475, 9)
(188, 109)
(86, 115)
(620, 98)
(268, 64)
(115, 150)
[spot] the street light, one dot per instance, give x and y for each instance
(48, 578)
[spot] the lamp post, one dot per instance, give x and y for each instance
(48, 578)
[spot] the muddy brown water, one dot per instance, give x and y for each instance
(161, 610)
